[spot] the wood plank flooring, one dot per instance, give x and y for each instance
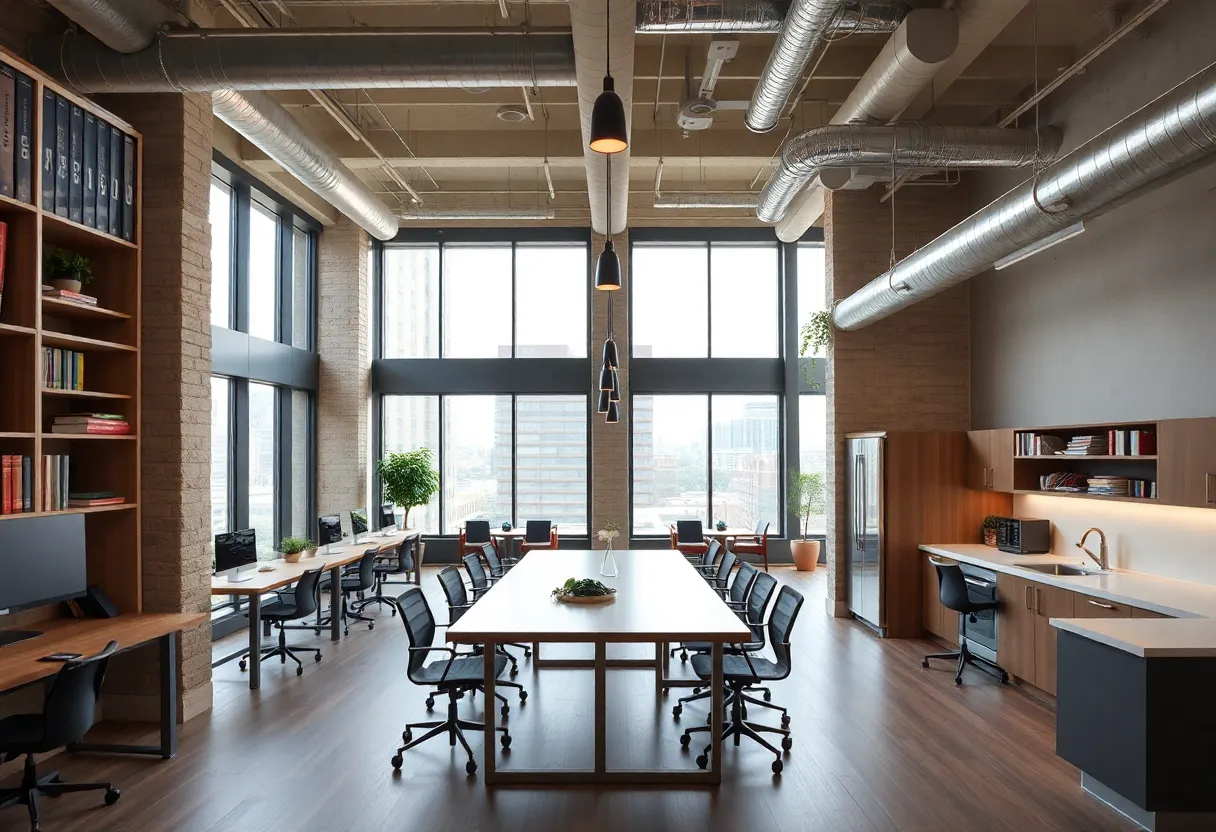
(880, 745)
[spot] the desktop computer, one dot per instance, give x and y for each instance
(329, 529)
(388, 517)
(358, 523)
(236, 555)
(43, 561)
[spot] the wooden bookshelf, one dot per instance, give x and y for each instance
(108, 335)
(1029, 468)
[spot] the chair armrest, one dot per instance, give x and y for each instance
(452, 654)
(738, 605)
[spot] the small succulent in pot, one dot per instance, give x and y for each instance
(506, 526)
(989, 526)
(721, 525)
(294, 549)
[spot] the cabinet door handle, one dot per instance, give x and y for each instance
(1207, 488)
(1100, 604)
(1027, 599)
(1037, 608)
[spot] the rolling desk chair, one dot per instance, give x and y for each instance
(303, 602)
(721, 576)
(458, 603)
(400, 560)
(478, 579)
(360, 578)
(538, 534)
(474, 534)
(708, 564)
(736, 600)
(757, 546)
(68, 712)
(493, 561)
(952, 589)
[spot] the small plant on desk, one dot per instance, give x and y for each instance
(990, 524)
(293, 549)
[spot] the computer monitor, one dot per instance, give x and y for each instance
(358, 523)
(43, 561)
(235, 554)
(388, 517)
(329, 529)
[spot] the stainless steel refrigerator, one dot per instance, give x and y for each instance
(864, 476)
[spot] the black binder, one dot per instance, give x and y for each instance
(115, 181)
(25, 138)
(103, 175)
(48, 150)
(61, 156)
(76, 138)
(89, 210)
(8, 130)
(128, 188)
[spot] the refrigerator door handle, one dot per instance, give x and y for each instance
(858, 500)
(861, 514)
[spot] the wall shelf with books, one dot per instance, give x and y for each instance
(1114, 462)
(70, 265)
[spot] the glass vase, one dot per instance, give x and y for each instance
(608, 568)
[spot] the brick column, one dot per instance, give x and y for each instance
(175, 493)
(344, 344)
(610, 443)
(910, 371)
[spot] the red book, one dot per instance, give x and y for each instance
(108, 501)
(6, 484)
(94, 426)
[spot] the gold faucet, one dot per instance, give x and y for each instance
(1101, 560)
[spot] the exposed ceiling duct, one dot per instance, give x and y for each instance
(806, 27)
(741, 16)
(270, 128)
(693, 199)
(1164, 138)
(901, 145)
(133, 24)
(908, 61)
(294, 59)
(590, 27)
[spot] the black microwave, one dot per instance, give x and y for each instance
(1023, 535)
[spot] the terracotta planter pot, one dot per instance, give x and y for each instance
(990, 537)
(66, 285)
(299, 556)
(805, 554)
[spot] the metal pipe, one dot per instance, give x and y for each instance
(367, 31)
(743, 16)
(802, 36)
(126, 27)
(1132, 157)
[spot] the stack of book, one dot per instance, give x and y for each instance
(1039, 444)
(54, 482)
(1131, 443)
(109, 424)
(16, 484)
(1094, 445)
(63, 369)
(66, 294)
(1063, 481)
(16, 134)
(89, 499)
(1108, 486)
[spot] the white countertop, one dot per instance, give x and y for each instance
(1193, 606)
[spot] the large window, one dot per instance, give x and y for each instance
(550, 301)
(262, 466)
(477, 302)
(301, 463)
(301, 288)
(551, 460)
(263, 272)
(410, 423)
(812, 445)
(221, 442)
(221, 254)
(411, 301)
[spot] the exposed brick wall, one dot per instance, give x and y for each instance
(910, 371)
(175, 493)
(610, 443)
(344, 343)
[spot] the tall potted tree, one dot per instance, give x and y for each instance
(807, 500)
(409, 479)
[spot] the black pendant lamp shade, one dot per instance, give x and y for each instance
(610, 358)
(608, 269)
(605, 378)
(614, 395)
(608, 134)
(602, 407)
(614, 413)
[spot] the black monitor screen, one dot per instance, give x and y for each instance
(387, 516)
(358, 522)
(329, 529)
(42, 560)
(235, 549)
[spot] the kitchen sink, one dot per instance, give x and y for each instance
(1054, 568)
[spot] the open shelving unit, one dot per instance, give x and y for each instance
(1029, 468)
(109, 337)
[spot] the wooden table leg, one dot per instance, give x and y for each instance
(489, 674)
(715, 710)
(601, 707)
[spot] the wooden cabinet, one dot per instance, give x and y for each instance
(1049, 602)
(1087, 606)
(938, 620)
(1015, 627)
(1186, 468)
(1137, 612)
(990, 460)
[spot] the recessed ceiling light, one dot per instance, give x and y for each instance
(511, 114)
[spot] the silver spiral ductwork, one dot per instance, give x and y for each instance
(901, 145)
(741, 16)
(270, 128)
(802, 36)
(123, 26)
(692, 199)
(299, 61)
(1165, 137)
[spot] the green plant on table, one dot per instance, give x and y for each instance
(294, 545)
(583, 588)
(409, 479)
(69, 265)
(991, 522)
(807, 498)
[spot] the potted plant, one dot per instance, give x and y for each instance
(68, 270)
(506, 525)
(807, 499)
(720, 525)
(990, 524)
(293, 549)
(409, 479)
(816, 334)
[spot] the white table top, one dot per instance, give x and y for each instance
(660, 597)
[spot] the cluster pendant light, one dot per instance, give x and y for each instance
(609, 135)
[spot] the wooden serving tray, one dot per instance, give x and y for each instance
(587, 599)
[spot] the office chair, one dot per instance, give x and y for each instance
(458, 603)
(707, 565)
(496, 565)
(736, 600)
(359, 578)
(459, 674)
(68, 712)
(538, 534)
(758, 546)
(742, 670)
(474, 534)
(303, 602)
(478, 579)
(397, 560)
(952, 589)
(690, 537)
(721, 576)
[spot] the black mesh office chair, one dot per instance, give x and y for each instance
(742, 670)
(456, 675)
(708, 562)
(720, 578)
(303, 601)
(479, 579)
(398, 560)
(952, 589)
(357, 579)
(68, 712)
(458, 603)
(736, 600)
(493, 562)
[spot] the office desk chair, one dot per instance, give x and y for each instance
(952, 589)
(303, 602)
(68, 712)
(495, 564)
(707, 565)
(736, 600)
(474, 534)
(360, 578)
(720, 578)
(479, 579)
(742, 671)
(458, 603)
(757, 546)
(398, 560)
(538, 534)
(458, 674)
(690, 537)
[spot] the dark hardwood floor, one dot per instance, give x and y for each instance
(879, 745)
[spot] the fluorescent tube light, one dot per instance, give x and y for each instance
(1040, 245)
(478, 214)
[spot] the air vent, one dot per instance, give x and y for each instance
(511, 114)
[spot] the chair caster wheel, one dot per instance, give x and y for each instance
(505, 711)
(527, 654)
(243, 666)
(470, 768)
(703, 762)
(785, 720)
(317, 657)
(924, 663)
(685, 739)
(677, 710)
(958, 681)
(709, 719)
(407, 736)
(299, 671)
(505, 741)
(787, 743)
(371, 625)
(523, 696)
(696, 691)
(778, 766)
(683, 658)
(768, 696)
(430, 703)
(112, 796)
(514, 672)
(397, 761)
(1004, 678)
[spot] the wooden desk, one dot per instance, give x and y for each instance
(512, 539)
(19, 665)
(285, 574)
(660, 599)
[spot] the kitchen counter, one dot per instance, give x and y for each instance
(1194, 635)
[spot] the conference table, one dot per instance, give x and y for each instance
(660, 599)
(282, 574)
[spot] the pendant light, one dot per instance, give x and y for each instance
(608, 133)
(605, 378)
(602, 406)
(614, 413)
(614, 395)
(608, 267)
(610, 355)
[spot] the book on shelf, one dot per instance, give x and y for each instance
(67, 294)
(48, 150)
(63, 369)
(128, 188)
(16, 484)
(115, 181)
(8, 130)
(24, 152)
(72, 424)
(1088, 445)
(76, 150)
(3, 257)
(1131, 442)
(62, 160)
(89, 207)
(103, 176)
(89, 499)
(55, 473)
(1038, 444)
